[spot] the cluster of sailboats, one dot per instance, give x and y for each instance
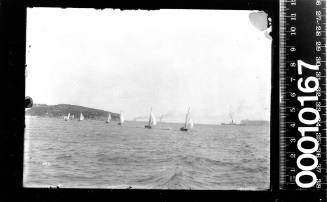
(71, 117)
(188, 125)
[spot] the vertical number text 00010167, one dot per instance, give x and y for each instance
(303, 104)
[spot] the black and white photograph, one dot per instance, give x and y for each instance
(148, 99)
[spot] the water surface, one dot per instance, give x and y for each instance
(93, 154)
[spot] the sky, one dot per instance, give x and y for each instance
(215, 62)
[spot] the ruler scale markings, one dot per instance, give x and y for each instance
(297, 53)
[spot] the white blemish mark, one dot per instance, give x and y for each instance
(261, 21)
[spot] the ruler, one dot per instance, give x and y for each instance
(302, 73)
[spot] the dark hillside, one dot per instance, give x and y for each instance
(63, 110)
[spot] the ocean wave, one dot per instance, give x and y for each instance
(190, 172)
(100, 155)
(203, 162)
(118, 159)
(256, 161)
(252, 169)
(153, 179)
(64, 157)
(175, 181)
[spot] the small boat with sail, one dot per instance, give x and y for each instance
(81, 117)
(109, 118)
(66, 118)
(188, 122)
(121, 119)
(152, 120)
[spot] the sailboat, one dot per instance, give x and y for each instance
(188, 122)
(81, 117)
(66, 118)
(121, 119)
(152, 120)
(109, 118)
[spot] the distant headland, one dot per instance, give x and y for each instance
(254, 122)
(61, 110)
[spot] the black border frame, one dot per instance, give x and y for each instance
(12, 63)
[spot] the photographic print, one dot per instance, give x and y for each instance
(148, 99)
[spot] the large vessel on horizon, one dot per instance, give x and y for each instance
(230, 123)
(254, 122)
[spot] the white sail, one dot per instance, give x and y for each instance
(152, 119)
(109, 118)
(68, 116)
(190, 123)
(187, 118)
(81, 117)
(121, 118)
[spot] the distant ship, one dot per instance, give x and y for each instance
(254, 122)
(152, 120)
(121, 119)
(188, 122)
(230, 123)
(109, 118)
(81, 117)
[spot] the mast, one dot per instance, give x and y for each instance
(186, 118)
(150, 117)
(153, 119)
(109, 118)
(121, 118)
(231, 117)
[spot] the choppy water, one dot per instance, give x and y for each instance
(93, 154)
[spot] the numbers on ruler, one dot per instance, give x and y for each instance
(310, 125)
(293, 30)
(318, 62)
(292, 64)
(318, 17)
(318, 27)
(304, 88)
(292, 140)
(293, 2)
(318, 45)
(301, 64)
(293, 16)
(307, 88)
(292, 109)
(318, 93)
